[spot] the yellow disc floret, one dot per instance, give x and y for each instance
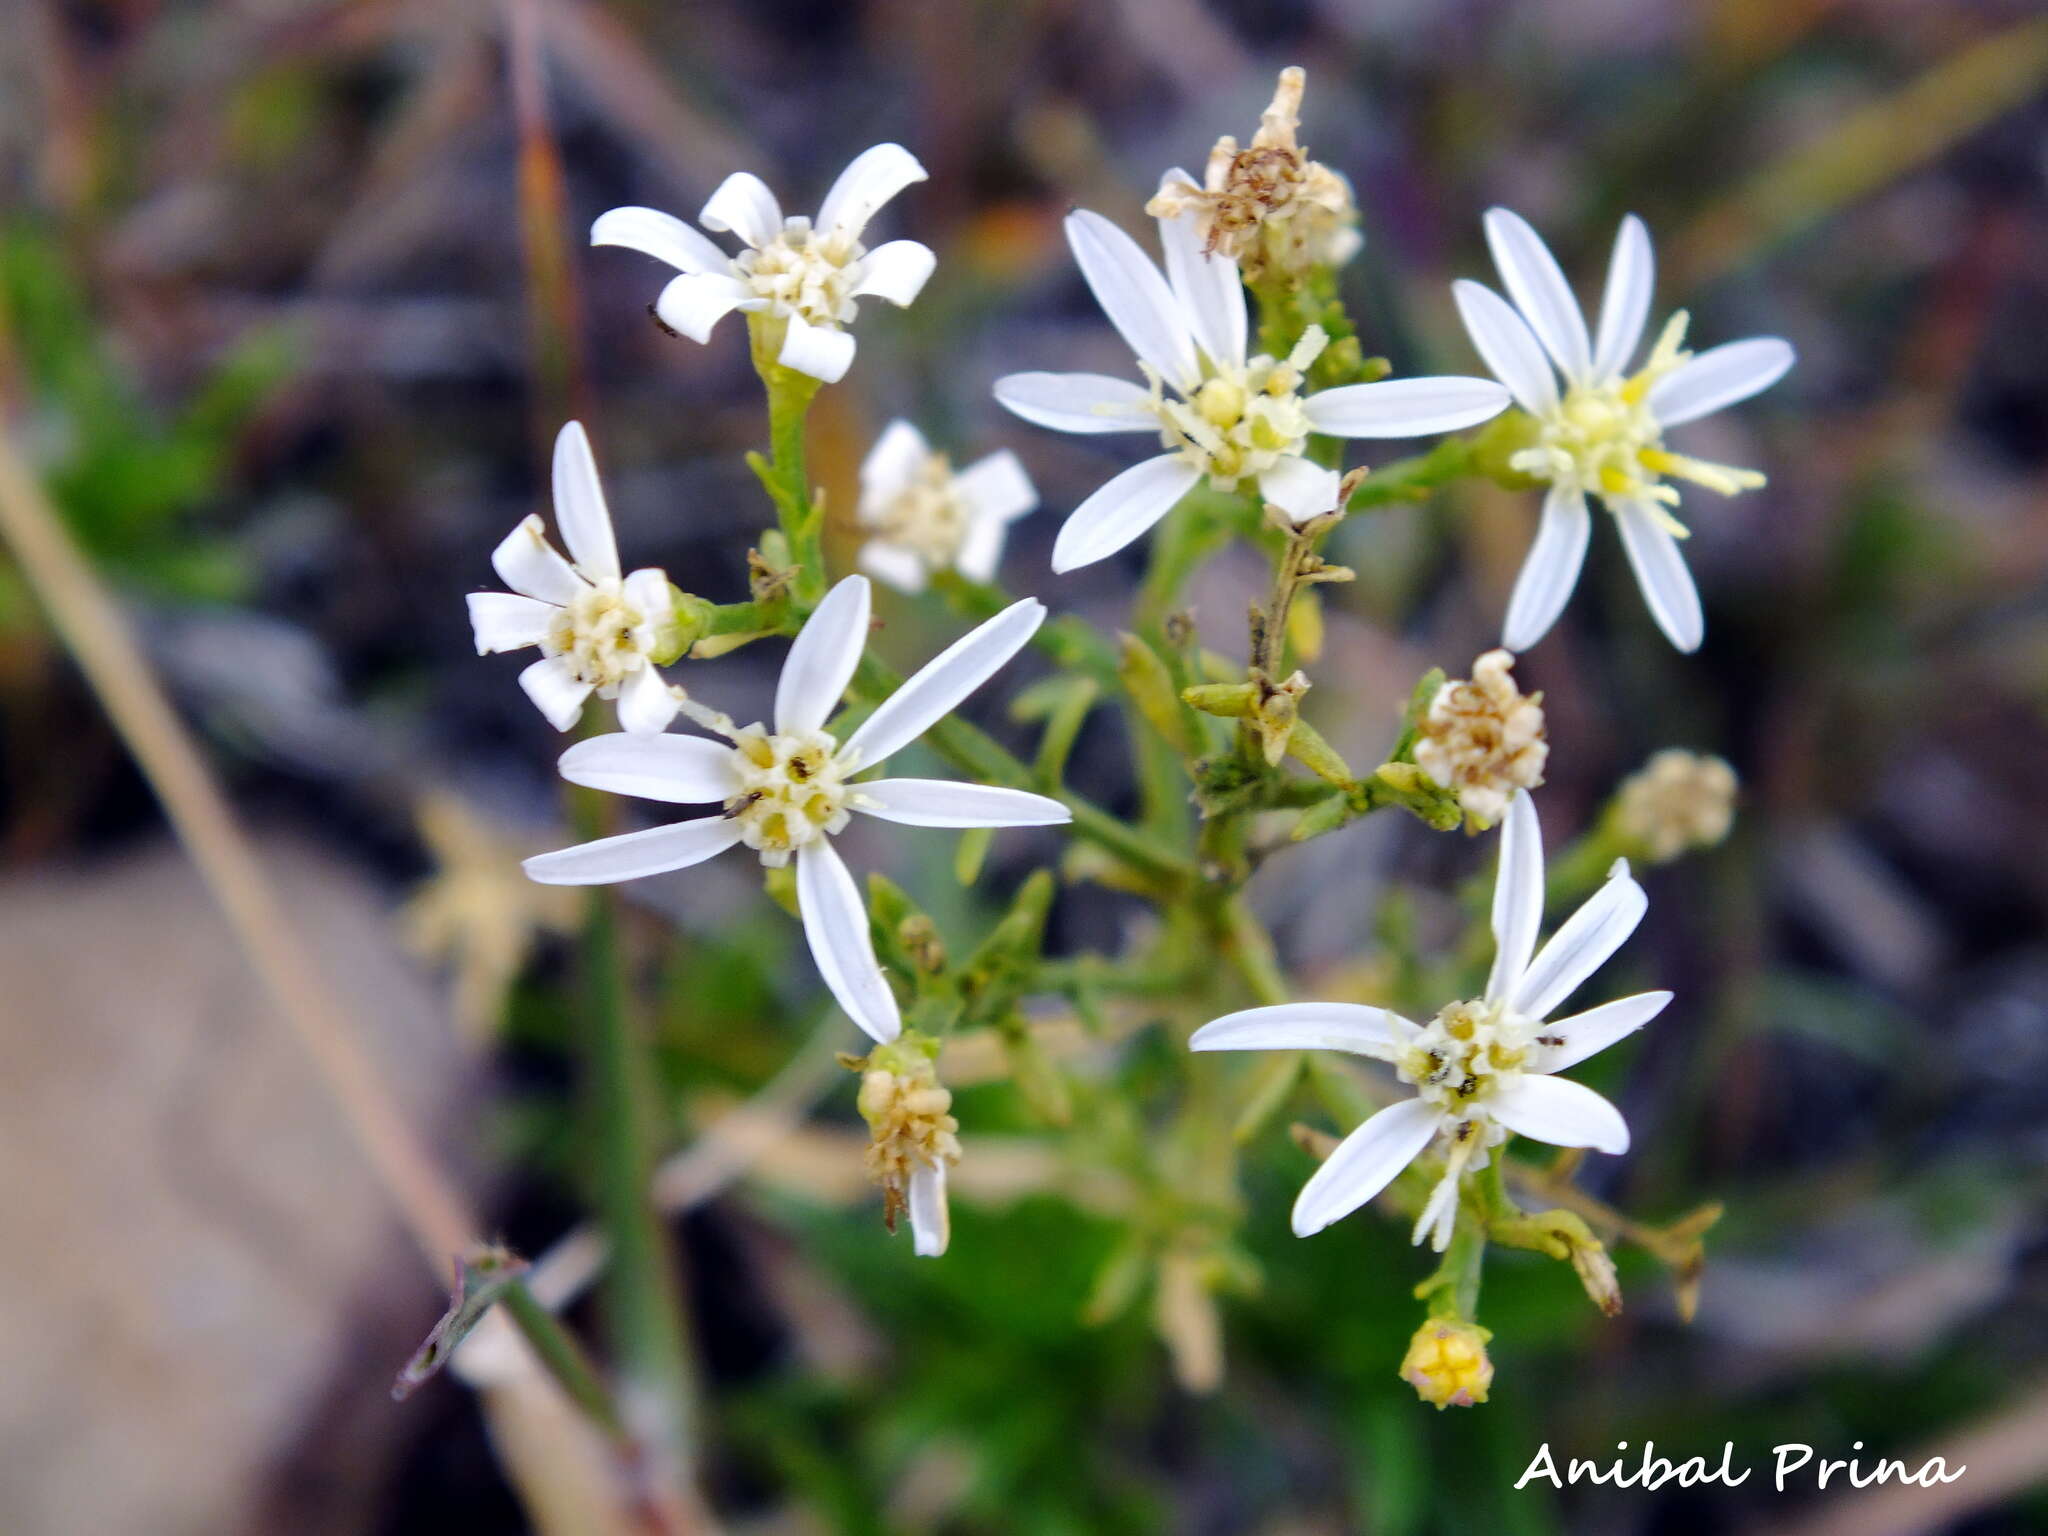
(792, 789)
(1239, 422)
(598, 632)
(805, 272)
(1604, 440)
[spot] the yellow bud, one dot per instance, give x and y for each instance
(1446, 1363)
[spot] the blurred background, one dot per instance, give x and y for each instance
(293, 295)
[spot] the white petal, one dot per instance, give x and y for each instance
(744, 205)
(822, 658)
(836, 923)
(1122, 511)
(1078, 402)
(650, 595)
(660, 235)
(875, 176)
(527, 563)
(1300, 488)
(823, 353)
(1407, 407)
(555, 690)
(944, 681)
(1719, 377)
(580, 511)
(1364, 1163)
(899, 453)
(1631, 279)
(896, 271)
(931, 1224)
(1134, 296)
(981, 547)
(1209, 288)
(1510, 348)
(1581, 946)
(1660, 569)
(1584, 1034)
(1439, 1219)
(1536, 284)
(1550, 570)
(997, 487)
(646, 704)
(695, 302)
(1517, 896)
(893, 565)
(632, 855)
(949, 803)
(505, 621)
(680, 770)
(1349, 1027)
(1561, 1112)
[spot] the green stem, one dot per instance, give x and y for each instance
(1412, 479)
(802, 518)
(643, 1304)
(564, 1359)
(974, 752)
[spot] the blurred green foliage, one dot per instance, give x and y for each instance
(133, 480)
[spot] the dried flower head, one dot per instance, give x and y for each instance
(1446, 1363)
(1484, 738)
(913, 1137)
(1676, 801)
(1268, 207)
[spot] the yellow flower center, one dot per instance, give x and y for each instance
(1240, 422)
(597, 631)
(928, 516)
(792, 790)
(801, 272)
(1464, 1056)
(1604, 440)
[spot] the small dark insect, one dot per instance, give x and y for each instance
(1550, 1039)
(666, 329)
(736, 806)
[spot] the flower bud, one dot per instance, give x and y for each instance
(1447, 1364)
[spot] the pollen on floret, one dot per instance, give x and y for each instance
(1239, 422)
(792, 790)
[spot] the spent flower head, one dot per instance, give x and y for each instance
(597, 631)
(1483, 738)
(913, 1137)
(788, 788)
(802, 276)
(922, 516)
(1268, 207)
(1222, 415)
(1677, 801)
(1482, 1069)
(1598, 428)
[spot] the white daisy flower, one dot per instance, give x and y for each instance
(1219, 412)
(1481, 1070)
(923, 516)
(1602, 433)
(806, 273)
(598, 631)
(786, 791)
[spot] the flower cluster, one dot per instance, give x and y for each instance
(1260, 434)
